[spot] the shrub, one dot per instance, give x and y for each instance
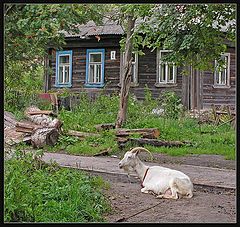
(172, 105)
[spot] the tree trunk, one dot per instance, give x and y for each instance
(126, 75)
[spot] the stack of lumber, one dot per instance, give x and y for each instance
(148, 136)
(40, 129)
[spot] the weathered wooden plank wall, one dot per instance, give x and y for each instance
(146, 73)
(220, 96)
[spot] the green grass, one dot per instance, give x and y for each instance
(37, 192)
(206, 139)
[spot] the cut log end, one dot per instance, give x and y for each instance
(44, 136)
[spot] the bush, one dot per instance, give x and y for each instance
(37, 192)
(172, 105)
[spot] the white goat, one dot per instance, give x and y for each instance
(164, 182)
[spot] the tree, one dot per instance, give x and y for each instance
(195, 32)
(28, 29)
(128, 15)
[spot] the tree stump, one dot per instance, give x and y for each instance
(44, 136)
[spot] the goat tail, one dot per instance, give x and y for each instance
(137, 149)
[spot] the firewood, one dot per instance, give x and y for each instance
(157, 143)
(10, 120)
(42, 119)
(21, 129)
(151, 133)
(44, 136)
(24, 125)
(46, 112)
(81, 134)
(107, 126)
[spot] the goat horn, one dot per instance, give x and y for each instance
(136, 149)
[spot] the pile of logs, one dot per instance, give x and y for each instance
(144, 136)
(40, 128)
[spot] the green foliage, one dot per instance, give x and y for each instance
(21, 86)
(192, 31)
(37, 192)
(28, 30)
(173, 126)
(172, 105)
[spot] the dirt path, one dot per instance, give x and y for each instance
(214, 198)
(209, 205)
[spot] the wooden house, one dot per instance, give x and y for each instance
(91, 61)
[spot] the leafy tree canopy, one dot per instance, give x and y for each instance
(30, 27)
(195, 32)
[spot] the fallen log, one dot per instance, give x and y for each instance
(22, 129)
(10, 120)
(107, 126)
(155, 142)
(42, 119)
(151, 133)
(46, 112)
(103, 153)
(44, 136)
(81, 134)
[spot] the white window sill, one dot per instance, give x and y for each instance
(165, 85)
(221, 86)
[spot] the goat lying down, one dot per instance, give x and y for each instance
(163, 182)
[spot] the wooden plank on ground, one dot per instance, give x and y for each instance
(151, 133)
(157, 143)
(81, 134)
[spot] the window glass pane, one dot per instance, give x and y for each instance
(95, 57)
(64, 59)
(133, 79)
(223, 77)
(134, 57)
(170, 72)
(98, 73)
(67, 74)
(60, 74)
(163, 73)
(163, 54)
(91, 74)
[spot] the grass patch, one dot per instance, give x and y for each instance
(37, 192)
(206, 138)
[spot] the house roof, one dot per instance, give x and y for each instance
(91, 29)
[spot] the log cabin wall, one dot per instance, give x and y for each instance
(147, 70)
(147, 74)
(220, 96)
(79, 48)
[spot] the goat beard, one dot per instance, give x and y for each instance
(128, 169)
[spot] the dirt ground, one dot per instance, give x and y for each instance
(209, 205)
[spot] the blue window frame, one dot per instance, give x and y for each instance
(63, 68)
(95, 68)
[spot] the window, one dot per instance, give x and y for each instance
(95, 68)
(166, 71)
(134, 78)
(64, 68)
(222, 75)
